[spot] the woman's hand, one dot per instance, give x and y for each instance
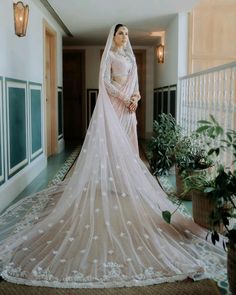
(133, 105)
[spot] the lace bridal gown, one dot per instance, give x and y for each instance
(104, 226)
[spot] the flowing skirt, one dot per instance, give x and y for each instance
(104, 227)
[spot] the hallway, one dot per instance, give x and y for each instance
(49, 87)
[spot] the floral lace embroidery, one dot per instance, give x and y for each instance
(111, 88)
(113, 276)
(113, 272)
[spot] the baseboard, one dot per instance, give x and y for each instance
(15, 185)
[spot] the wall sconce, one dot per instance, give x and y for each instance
(160, 53)
(21, 15)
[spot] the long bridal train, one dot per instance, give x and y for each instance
(104, 227)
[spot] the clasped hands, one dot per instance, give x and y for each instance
(132, 106)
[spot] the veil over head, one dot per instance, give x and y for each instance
(108, 47)
(103, 227)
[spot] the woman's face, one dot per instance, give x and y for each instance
(121, 37)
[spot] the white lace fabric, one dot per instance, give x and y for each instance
(104, 226)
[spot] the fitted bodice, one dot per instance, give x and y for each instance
(118, 69)
(120, 65)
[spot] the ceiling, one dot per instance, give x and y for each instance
(89, 20)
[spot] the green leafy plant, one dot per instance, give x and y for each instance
(220, 186)
(161, 147)
(191, 153)
(220, 189)
(191, 157)
(224, 185)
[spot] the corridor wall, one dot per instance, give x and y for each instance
(22, 99)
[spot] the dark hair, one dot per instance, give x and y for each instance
(117, 28)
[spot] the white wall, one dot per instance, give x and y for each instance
(182, 44)
(176, 52)
(23, 59)
(167, 73)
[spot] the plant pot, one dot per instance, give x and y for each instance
(180, 181)
(180, 186)
(231, 268)
(202, 207)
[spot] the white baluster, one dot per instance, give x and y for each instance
(209, 92)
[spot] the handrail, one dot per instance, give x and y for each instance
(212, 91)
(207, 71)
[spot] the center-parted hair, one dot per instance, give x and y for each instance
(117, 28)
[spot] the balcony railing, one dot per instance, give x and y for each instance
(212, 91)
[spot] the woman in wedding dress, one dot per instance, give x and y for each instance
(104, 227)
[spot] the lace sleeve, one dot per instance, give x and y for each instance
(136, 89)
(111, 89)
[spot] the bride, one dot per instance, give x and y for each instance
(104, 226)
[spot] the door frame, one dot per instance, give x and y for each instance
(142, 124)
(49, 31)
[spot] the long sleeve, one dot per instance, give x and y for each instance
(136, 89)
(111, 88)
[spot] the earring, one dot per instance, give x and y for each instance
(113, 44)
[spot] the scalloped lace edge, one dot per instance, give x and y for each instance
(115, 284)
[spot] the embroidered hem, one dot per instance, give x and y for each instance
(100, 284)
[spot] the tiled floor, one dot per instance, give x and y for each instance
(54, 164)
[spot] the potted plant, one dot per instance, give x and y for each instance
(218, 191)
(191, 157)
(216, 200)
(204, 198)
(160, 149)
(224, 190)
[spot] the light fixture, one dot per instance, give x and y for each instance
(158, 34)
(21, 15)
(160, 53)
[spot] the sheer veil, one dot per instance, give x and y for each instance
(104, 227)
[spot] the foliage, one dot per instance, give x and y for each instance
(166, 215)
(212, 130)
(199, 182)
(191, 153)
(166, 133)
(220, 186)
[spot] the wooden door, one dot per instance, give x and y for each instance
(140, 55)
(74, 98)
(50, 90)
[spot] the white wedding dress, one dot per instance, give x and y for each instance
(104, 227)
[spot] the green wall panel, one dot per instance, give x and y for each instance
(36, 121)
(60, 114)
(17, 125)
